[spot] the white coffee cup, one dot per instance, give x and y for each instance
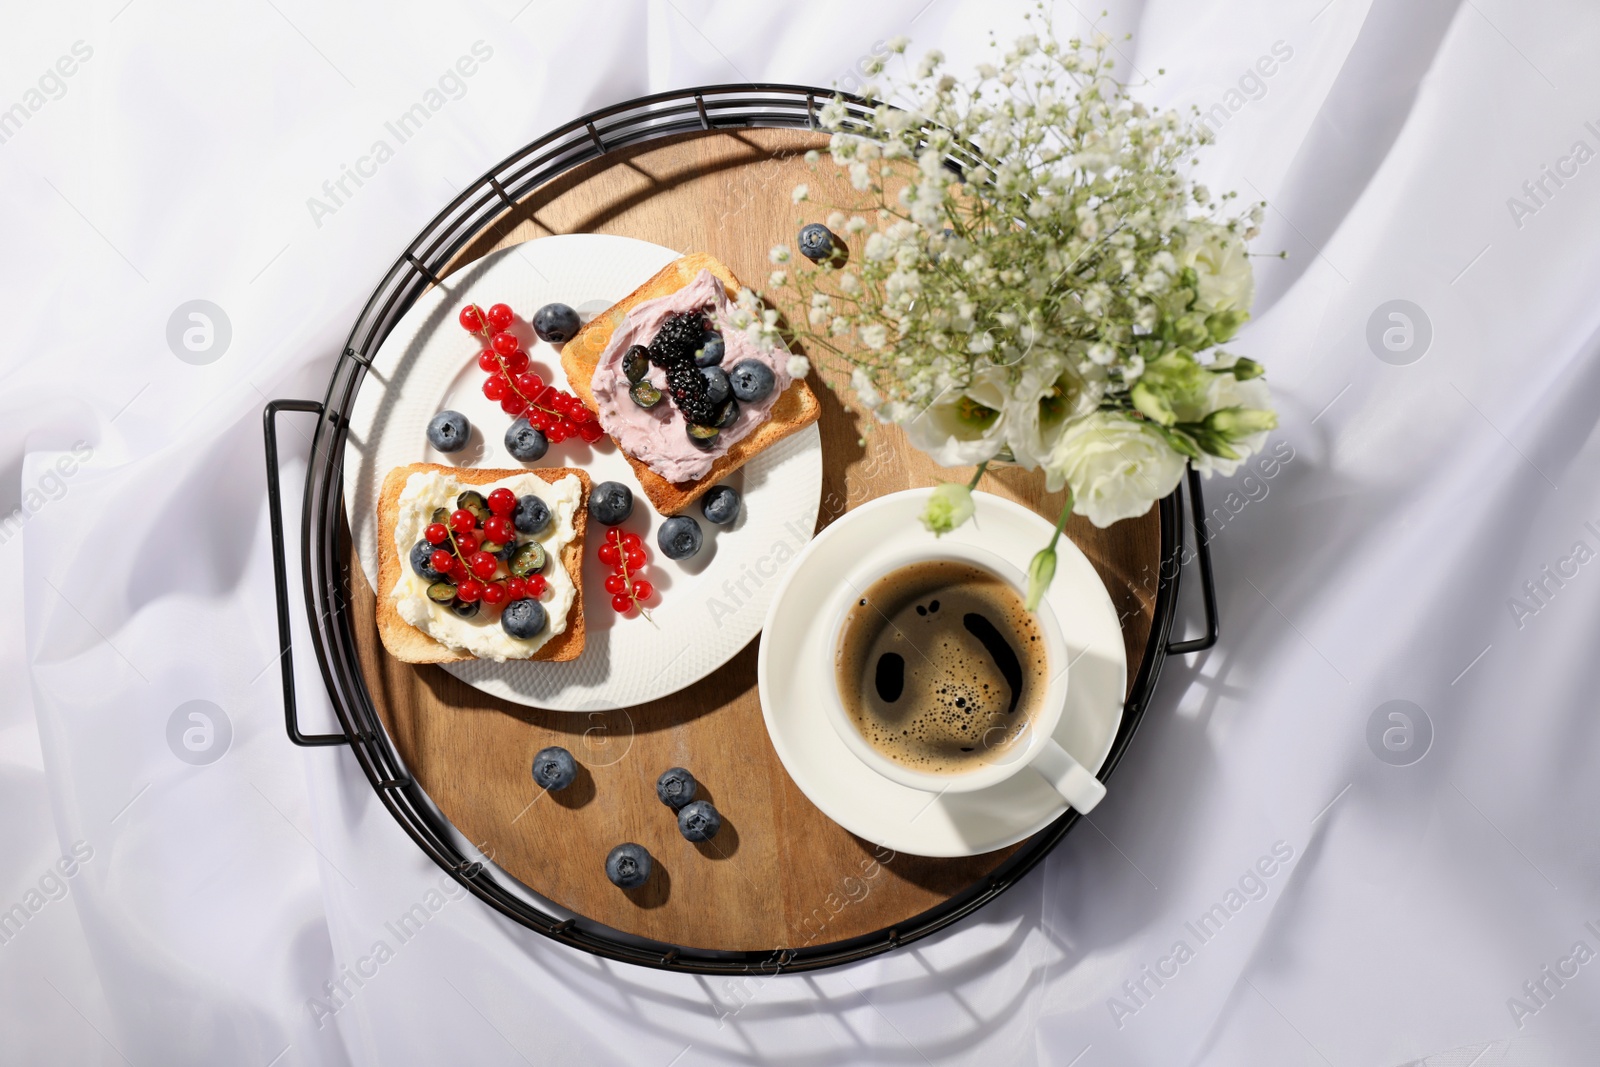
(1034, 748)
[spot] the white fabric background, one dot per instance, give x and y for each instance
(176, 165)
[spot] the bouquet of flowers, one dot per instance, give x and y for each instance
(1033, 281)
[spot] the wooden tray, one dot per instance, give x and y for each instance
(780, 874)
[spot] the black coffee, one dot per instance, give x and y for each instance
(940, 666)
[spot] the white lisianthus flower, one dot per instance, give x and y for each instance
(1117, 467)
(949, 505)
(963, 426)
(1226, 281)
(1043, 401)
(1228, 392)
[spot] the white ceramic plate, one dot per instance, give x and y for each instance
(795, 664)
(706, 608)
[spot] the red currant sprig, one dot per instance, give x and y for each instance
(624, 553)
(554, 412)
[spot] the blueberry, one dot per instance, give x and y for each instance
(676, 787)
(554, 767)
(421, 552)
(720, 505)
(628, 866)
(524, 442)
(703, 437)
(717, 387)
(727, 414)
(448, 431)
(465, 610)
(699, 821)
(555, 323)
(817, 242)
(679, 537)
(752, 380)
(712, 349)
(532, 515)
(636, 363)
(610, 503)
(523, 618)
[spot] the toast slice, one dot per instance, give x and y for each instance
(409, 644)
(795, 409)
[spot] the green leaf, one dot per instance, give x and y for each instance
(1152, 404)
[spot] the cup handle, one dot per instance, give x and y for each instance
(1070, 778)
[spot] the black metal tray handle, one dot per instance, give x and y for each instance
(280, 573)
(1208, 589)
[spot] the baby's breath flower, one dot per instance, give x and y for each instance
(801, 192)
(1044, 255)
(779, 254)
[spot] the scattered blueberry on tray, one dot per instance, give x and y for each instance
(676, 787)
(554, 768)
(699, 821)
(555, 323)
(679, 537)
(817, 242)
(628, 866)
(448, 431)
(610, 503)
(720, 505)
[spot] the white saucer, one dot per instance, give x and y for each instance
(707, 607)
(794, 666)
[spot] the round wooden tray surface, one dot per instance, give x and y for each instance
(780, 874)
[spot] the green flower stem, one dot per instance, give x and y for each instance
(979, 474)
(1061, 520)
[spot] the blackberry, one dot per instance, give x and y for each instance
(691, 392)
(678, 338)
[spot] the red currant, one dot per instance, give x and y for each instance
(467, 543)
(488, 362)
(469, 591)
(502, 502)
(494, 593)
(622, 602)
(635, 558)
(500, 316)
(496, 388)
(471, 318)
(513, 405)
(582, 415)
(642, 589)
(609, 554)
(463, 521)
(504, 343)
(616, 584)
(529, 384)
(482, 564)
(436, 534)
(498, 528)
(442, 560)
(614, 535)
(566, 427)
(517, 588)
(536, 585)
(590, 432)
(631, 539)
(517, 362)
(555, 434)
